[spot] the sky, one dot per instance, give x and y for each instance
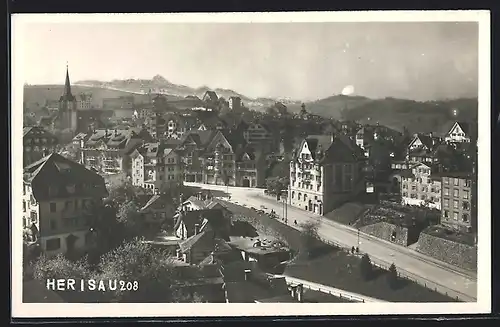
(306, 61)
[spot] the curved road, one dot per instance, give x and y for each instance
(431, 272)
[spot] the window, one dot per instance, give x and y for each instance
(455, 215)
(455, 204)
(53, 224)
(413, 188)
(33, 216)
(455, 181)
(465, 205)
(446, 191)
(465, 217)
(466, 194)
(24, 206)
(299, 196)
(405, 194)
(446, 202)
(446, 214)
(423, 197)
(53, 207)
(293, 194)
(446, 180)
(53, 244)
(455, 193)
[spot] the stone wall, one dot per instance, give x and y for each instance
(385, 230)
(457, 254)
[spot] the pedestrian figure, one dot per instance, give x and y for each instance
(295, 222)
(357, 249)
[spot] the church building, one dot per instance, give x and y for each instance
(67, 107)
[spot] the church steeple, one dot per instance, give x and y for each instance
(67, 85)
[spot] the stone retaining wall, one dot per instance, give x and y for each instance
(457, 254)
(384, 230)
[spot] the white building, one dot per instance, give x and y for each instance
(419, 187)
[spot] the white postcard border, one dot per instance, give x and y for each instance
(53, 310)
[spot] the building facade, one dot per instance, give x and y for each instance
(85, 101)
(420, 187)
(58, 197)
(156, 165)
(459, 202)
(325, 172)
(37, 143)
(104, 149)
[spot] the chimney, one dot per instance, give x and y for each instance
(247, 274)
(196, 229)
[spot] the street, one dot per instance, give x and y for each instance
(427, 271)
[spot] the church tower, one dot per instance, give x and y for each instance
(67, 106)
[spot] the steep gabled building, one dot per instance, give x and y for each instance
(58, 197)
(325, 172)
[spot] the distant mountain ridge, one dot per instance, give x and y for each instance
(159, 84)
(396, 113)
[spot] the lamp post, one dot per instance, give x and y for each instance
(357, 249)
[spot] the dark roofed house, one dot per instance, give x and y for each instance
(189, 223)
(58, 198)
(159, 210)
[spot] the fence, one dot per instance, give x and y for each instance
(434, 286)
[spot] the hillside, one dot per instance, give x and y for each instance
(395, 113)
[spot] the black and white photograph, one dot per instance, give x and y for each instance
(316, 163)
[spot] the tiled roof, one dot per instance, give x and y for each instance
(191, 218)
(158, 202)
(203, 241)
(62, 175)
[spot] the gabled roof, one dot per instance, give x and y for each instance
(61, 174)
(158, 202)
(200, 138)
(340, 150)
(212, 96)
(203, 241)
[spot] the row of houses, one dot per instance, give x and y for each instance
(425, 170)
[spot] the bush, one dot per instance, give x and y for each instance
(60, 267)
(392, 276)
(138, 262)
(366, 267)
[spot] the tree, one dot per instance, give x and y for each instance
(59, 267)
(310, 237)
(274, 185)
(129, 216)
(136, 261)
(392, 276)
(366, 267)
